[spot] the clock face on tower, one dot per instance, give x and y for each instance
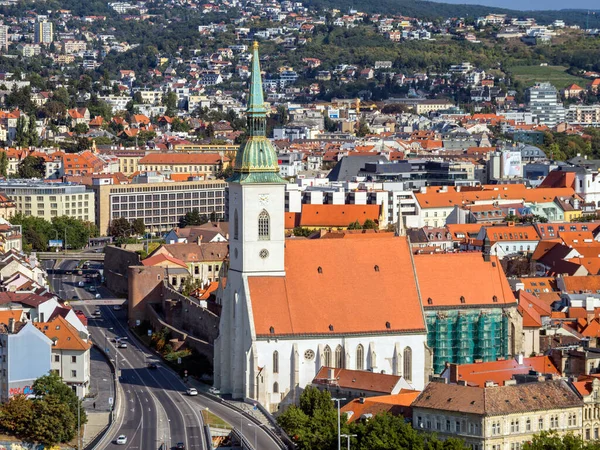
(264, 253)
(263, 199)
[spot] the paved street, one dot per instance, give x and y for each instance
(156, 409)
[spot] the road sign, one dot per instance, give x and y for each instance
(149, 332)
(110, 401)
(55, 243)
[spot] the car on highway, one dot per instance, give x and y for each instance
(81, 284)
(180, 446)
(97, 312)
(116, 339)
(214, 391)
(152, 365)
(122, 344)
(98, 295)
(92, 288)
(192, 392)
(117, 307)
(121, 440)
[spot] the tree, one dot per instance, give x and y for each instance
(31, 167)
(80, 128)
(551, 440)
(32, 134)
(363, 129)
(3, 164)
(385, 431)
(190, 284)
(355, 226)
(313, 424)
(225, 173)
(170, 101)
(120, 228)
(139, 227)
(54, 421)
(16, 415)
(21, 132)
(192, 218)
(370, 225)
(302, 232)
(36, 231)
(78, 232)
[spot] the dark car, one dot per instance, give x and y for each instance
(180, 446)
(152, 365)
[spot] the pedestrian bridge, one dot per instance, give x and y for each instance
(90, 256)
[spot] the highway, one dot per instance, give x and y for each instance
(156, 409)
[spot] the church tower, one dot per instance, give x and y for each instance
(256, 245)
(256, 194)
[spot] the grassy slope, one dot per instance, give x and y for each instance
(553, 74)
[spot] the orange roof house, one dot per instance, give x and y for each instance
(63, 335)
(337, 216)
(395, 404)
(498, 372)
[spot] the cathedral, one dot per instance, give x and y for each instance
(291, 306)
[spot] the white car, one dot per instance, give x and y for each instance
(192, 391)
(98, 295)
(214, 391)
(121, 440)
(122, 345)
(117, 307)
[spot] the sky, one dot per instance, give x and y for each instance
(526, 5)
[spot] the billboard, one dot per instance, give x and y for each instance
(511, 165)
(55, 243)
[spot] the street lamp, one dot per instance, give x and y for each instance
(255, 427)
(348, 436)
(338, 400)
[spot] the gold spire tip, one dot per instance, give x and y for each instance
(255, 45)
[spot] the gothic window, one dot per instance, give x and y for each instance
(408, 364)
(327, 356)
(275, 388)
(339, 357)
(263, 226)
(360, 357)
(236, 226)
(275, 361)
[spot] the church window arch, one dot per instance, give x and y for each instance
(276, 388)
(360, 357)
(275, 361)
(236, 225)
(264, 222)
(339, 357)
(408, 364)
(327, 356)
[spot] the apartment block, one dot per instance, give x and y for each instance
(45, 200)
(158, 202)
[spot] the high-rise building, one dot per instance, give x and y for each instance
(44, 32)
(3, 37)
(545, 105)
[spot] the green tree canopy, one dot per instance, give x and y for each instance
(192, 218)
(31, 167)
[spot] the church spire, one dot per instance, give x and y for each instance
(256, 161)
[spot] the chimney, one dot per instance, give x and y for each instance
(489, 384)
(331, 374)
(424, 190)
(520, 358)
(11, 325)
(199, 239)
(361, 400)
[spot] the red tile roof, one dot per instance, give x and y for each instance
(337, 215)
(446, 286)
(317, 271)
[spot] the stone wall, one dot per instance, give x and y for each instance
(200, 346)
(116, 264)
(188, 315)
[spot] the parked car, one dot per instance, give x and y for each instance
(121, 440)
(192, 391)
(214, 391)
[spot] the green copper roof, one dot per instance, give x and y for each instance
(256, 161)
(256, 101)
